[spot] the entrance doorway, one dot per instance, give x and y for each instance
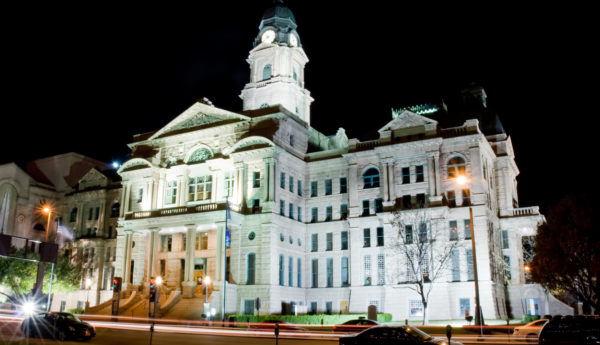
(199, 274)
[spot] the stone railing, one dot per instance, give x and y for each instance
(520, 212)
(173, 211)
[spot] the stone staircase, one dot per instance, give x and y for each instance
(187, 309)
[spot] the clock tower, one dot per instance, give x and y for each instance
(277, 65)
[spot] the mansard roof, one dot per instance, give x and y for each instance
(197, 116)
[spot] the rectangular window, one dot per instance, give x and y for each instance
(366, 237)
(314, 242)
(466, 195)
(97, 213)
(281, 270)
(329, 241)
(313, 308)
(256, 179)
(299, 282)
(200, 188)
(328, 308)
(290, 271)
(343, 185)
(343, 211)
(380, 237)
(465, 307)
(451, 199)
(255, 206)
(453, 226)
(299, 213)
(405, 175)
(504, 239)
(282, 207)
(420, 175)
(299, 188)
(251, 274)
(470, 272)
(328, 213)
(420, 200)
(415, 307)
(344, 244)
(291, 210)
(91, 214)
(291, 140)
(380, 269)
(249, 306)
(467, 223)
(228, 188)
(408, 234)
(204, 240)
(291, 183)
(455, 260)
(345, 280)
(315, 273)
(367, 270)
(407, 202)
(329, 272)
(140, 195)
(507, 267)
(171, 192)
(378, 205)
(423, 232)
(282, 181)
(328, 187)
(314, 215)
(313, 188)
(365, 208)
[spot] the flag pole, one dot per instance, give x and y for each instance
(225, 258)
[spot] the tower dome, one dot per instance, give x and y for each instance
(281, 21)
(278, 11)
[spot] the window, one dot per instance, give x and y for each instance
(371, 178)
(267, 72)
(345, 280)
(114, 210)
(315, 273)
(291, 140)
(456, 167)
(228, 180)
(281, 270)
(405, 175)
(314, 215)
(343, 211)
(366, 237)
(453, 226)
(420, 175)
(249, 306)
(299, 213)
(313, 308)
(291, 183)
(420, 200)
(329, 241)
(367, 270)
(256, 179)
(97, 214)
(407, 202)
(171, 192)
(467, 229)
(140, 195)
(90, 214)
(378, 205)
(365, 208)
(380, 269)
(299, 187)
(329, 272)
(380, 236)
(290, 271)
(343, 185)
(282, 180)
(344, 237)
(291, 210)
(465, 306)
(451, 199)
(73, 216)
(504, 239)
(251, 269)
(313, 188)
(328, 307)
(466, 195)
(455, 261)
(470, 272)
(408, 234)
(255, 205)
(328, 213)
(328, 187)
(415, 307)
(282, 207)
(314, 242)
(423, 232)
(299, 282)
(507, 267)
(200, 188)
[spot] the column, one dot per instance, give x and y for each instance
(386, 186)
(239, 183)
(353, 207)
(152, 250)
(123, 196)
(127, 200)
(189, 284)
(127, 258)
(270, 179)
(160, 197)
(392, 183)
(437, 173)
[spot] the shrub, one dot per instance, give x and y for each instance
(328, 319)
(75, 310)
(529, 318)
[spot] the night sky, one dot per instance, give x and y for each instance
(87, 78)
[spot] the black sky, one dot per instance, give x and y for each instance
(87, 78)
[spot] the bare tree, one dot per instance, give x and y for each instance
(423, 247)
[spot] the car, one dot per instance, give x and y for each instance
(59, 326)
(355, 325)
(563, 330)
(397, 335)
(530, 331)
(269, 325)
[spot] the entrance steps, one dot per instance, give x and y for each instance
(187, 309)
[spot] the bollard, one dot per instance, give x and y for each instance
(449, 332)
(276, 333)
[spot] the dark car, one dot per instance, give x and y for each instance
(382, 335)
(566, 330)
(355, 325)
(59, 326)
(269, 325)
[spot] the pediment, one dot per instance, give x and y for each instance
(249, 143)
(197, 116)
(408, 119)
(93, 178)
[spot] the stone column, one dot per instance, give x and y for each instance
(392, 183)
(160, 197)
(123, 196)
(189, 284)
(127, 200)
(152, 250)
(385, 181)
(437, 173)
(270, 181)
(239, 183)
(127, 258)
(353, 207)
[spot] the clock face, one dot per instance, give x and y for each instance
(268, 36)
(293, 40)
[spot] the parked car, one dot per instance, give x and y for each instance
(59, 326)
(269, 325)
(355, 325)
(531, 331)
(397, 335)
(563, 330)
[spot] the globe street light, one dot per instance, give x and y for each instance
(462, 181)
(48, 211)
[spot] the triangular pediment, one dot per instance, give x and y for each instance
(408, 119)
(93, 178)
(197, 116)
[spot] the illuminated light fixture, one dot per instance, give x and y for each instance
(462, 180)
(28, 308)
(159, 280)
(116, 165)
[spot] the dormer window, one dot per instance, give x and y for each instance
(267, 72)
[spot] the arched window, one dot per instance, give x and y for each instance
(371, 178)
(114, 210)
(73, 216)
(267, 72)
(456, 167)
(251, 269)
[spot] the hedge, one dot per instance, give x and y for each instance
(75, 310)
(315, 319)
(529, 318)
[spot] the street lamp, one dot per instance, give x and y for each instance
(462, 181)
(206, 283)
(48, 211)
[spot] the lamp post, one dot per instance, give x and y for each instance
(48, 211)
(88, 285)
(206, 283)
(462, 181)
